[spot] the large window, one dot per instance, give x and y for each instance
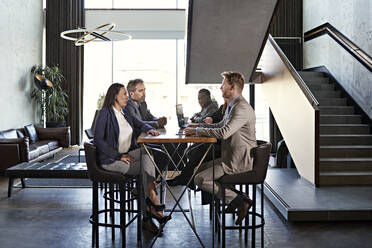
(160, 62)
(136, 4)
(97, 77)
(155, 62)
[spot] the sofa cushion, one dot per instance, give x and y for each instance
(9, 134)
(34, 153)
(52, 144)
(31, 133)
(20, 134)
(40, 146)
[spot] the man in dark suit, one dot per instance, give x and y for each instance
(137, 105)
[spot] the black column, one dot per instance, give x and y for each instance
(64, 15)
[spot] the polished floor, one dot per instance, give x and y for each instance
(58, 217)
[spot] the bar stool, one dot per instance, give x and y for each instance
(261, 156)
(99, 175)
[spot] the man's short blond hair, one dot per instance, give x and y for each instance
(234, 77)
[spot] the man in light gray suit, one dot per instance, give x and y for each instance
(238, 134)
(137, 105)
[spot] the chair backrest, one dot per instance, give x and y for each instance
(90, 132)
(261, 157)
(96, 172)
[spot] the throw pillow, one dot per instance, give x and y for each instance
(31, 133)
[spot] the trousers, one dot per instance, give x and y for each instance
(134, 169)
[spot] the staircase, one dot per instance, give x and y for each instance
(345, 143)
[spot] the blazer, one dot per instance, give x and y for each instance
(141, 112)
(238, 133)
(106, 134)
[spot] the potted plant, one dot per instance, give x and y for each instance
(101, 99)
(55, 99)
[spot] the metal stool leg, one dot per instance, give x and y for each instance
(254, 216)
(262, 214)
(223, 217)
(122, 214)
(112, 212)
(95, 238)
(246, 218)
(139, 208)
(105, 190)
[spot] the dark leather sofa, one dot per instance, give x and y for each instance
(31, 144)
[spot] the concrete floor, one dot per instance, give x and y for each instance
(58, 217)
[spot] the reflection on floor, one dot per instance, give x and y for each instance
(58, 217)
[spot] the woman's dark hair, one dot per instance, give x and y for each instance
(112, 91)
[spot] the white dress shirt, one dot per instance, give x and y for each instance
(125, 131)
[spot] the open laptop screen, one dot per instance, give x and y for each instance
(180, 117)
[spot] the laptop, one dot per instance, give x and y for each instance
(181, 119)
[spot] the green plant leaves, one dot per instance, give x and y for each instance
(56, 99)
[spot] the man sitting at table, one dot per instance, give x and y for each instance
(137, 105)
(208, 106)
(238, 134)
(197, 151)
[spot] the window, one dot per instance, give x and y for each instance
(136, 4)
(154, 61)
(158, 57)
(97, 77)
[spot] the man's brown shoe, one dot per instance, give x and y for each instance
(149, 225)
(243, 210)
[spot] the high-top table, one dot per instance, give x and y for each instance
(173, 136)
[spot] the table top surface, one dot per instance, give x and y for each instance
(173, 136)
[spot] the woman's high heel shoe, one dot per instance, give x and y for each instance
(161, 220)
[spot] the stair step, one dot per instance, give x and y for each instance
(345, 151)
(336, 110)
(314, 86)
(345, 164)
(316, 80)
(311, 74)
(332, 101)
(326, 93)
(345, 178)
(344, 129)
(345, 139)
(340, 119)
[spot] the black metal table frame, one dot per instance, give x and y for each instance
(192, 225)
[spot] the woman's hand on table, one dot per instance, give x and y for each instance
(153, 132)
(189, 131)
(127, 158)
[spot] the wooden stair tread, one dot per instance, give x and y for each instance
(341, 125)
(348, 146)
(346, 173)
(344, 159)
(345, 135)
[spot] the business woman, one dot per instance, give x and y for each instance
(115, 136)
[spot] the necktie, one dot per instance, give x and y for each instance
(228, 109)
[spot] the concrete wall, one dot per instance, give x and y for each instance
(21, 48)
(353, 18)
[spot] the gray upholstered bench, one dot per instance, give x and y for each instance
(45, 170)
